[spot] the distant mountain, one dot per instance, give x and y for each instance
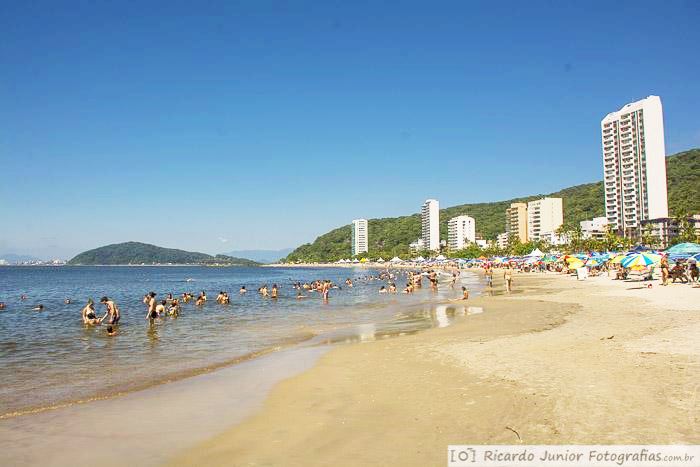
(262, 256)
(13, 258)
(391, 236)
(143, 253)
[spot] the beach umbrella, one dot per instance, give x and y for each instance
(440, 258)
(640, 259)
(364, 260)
(618, 259)
(396, 259)
(684, 249)
(355, 261)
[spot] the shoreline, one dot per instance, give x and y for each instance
(563, 362)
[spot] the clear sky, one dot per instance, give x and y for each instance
(219, 126)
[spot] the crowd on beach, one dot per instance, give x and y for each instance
(171, 306)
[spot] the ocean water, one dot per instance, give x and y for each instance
(50, 359)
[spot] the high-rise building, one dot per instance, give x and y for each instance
(359, 236)
(502, 240)
(461, 231)
(544, 217)
(516, 221)
(430, 224)
(634, 165)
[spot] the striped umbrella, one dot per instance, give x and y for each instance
(640, 259)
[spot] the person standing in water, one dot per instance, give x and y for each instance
(151, 313)
(88, 313)
(274, 291)
(112, 311)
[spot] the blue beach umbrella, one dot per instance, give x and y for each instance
(684, 249)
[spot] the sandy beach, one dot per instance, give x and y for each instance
(559, 362)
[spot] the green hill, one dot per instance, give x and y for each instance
(143, 253)
(391, 236)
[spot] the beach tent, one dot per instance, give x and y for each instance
(355, 261)
(441, 258)
(396, 259)
(380, 260)
(536, 253)
(420, 259)
(364, 260)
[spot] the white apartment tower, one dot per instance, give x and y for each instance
(359, 236)
(461, 231)
(634, 165)
(430, 224)
(544, 217)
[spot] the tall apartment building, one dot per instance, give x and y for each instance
(359, 236)
(544, 217)
(430, 224)
(502, 240)
(516, 221)
(634, 165)
(461, 231)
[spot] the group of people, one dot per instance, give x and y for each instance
(685, 272)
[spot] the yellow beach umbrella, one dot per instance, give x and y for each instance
(574, 263)
(617, 259)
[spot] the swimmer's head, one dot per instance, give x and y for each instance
(104, 300)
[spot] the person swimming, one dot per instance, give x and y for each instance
(382, 289)
(111, 331)
(200, 300)
(67, 301)
(274, 292)
(174, 309)
(160, 308)
(39, 307)
(243, 290)
(2, 306)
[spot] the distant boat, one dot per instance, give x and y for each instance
(189, 279)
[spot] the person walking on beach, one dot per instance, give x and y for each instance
(489, 276)
(112, 311)
(508, 278)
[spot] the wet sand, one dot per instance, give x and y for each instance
(560, 362)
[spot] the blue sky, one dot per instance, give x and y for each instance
(258, 124)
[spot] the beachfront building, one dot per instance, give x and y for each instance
(502, 240)
(430, 224)
(544, 217)
(416, 246)
(595, 228)
(555, 239)
(359, 236)
(516, 222)
(666, 229)
(461, 231)
(634, 165)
